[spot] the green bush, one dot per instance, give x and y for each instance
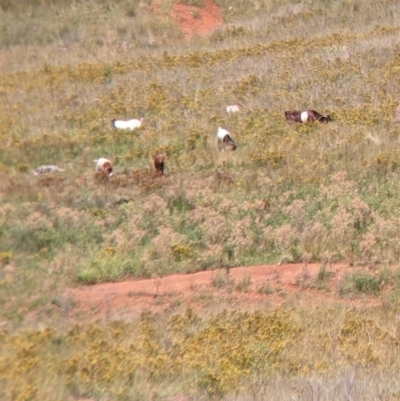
(360, 283)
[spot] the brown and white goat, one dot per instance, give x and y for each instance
(103, 165)
(306, 116)
(225, 140)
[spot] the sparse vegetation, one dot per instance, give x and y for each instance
(321, 193)
(222, 280)
(192, 3)
(244, 284)
(323, 278)
(265, 289)
(360, 283)
(222, 356)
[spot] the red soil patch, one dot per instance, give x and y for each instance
(284, 283)
(197, 20)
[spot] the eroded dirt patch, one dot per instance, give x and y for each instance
(251, 287)
(194, 20)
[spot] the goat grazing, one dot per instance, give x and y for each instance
(103, 165)
(225, 140)
(41, 170)
(306, 116)
(159, 161)
(127, 124)
(234, 108)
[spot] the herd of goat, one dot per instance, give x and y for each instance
(225, 141)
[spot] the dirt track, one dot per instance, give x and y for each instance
(251, 287)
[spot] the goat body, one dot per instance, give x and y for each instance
(159, 161)
(306, 116)
(103, 165)
(234, 108)
(225, 140)
(127, 124)
(47, 169)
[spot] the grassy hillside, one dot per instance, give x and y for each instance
(321, 193)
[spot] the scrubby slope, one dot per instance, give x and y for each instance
(321, 193)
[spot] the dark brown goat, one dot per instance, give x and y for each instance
(159, 161)
(306, 116)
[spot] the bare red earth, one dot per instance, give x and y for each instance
(197, 20)
(285, 283)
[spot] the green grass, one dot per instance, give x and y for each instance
(360, 282)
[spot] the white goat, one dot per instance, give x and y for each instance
(127, 124)
(225, 139)
(103, 165)
(41, 170)
(234, 108)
